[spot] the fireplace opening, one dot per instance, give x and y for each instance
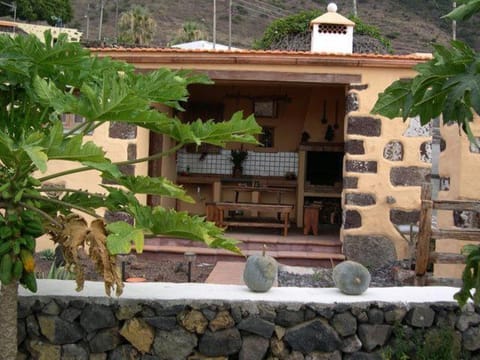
(324, 168)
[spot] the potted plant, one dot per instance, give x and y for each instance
(237, 157)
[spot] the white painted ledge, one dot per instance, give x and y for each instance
(193, 292)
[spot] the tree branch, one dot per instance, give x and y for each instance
(64, 204)
(42, 213)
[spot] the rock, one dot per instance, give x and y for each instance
(267, 312)
(162, 322)
(223, 320)
(105, 340)
(172, 310)
(209, 313)
(74, 352)
(59, 331)
(253, 348)
(313, 335)
(124, 352)
(395, 315)
(466, 320)
(21, 356)
(33, 329)
(370, 251)
(287, 318)
(278, 348)
(363, 356)
(126, 312)
(43, 351)
(295, 355)
(220, 343)
(345, 324)
(257, 326)
(372, 336)
(51, 308)
(194, 321)
(421, 317)
(375, 316)
(198, 356)
(279, 332)
(98, 356)
(70, 314)
(25, 308)
(445, 319)
(96, 317)
(21, 331)
(351, 344)
(336, 355)
(174, 345)
(471, 339)
(138, 333)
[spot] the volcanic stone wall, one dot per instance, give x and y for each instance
(101, 328)
(386, 162)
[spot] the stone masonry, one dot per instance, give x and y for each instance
(96, 328)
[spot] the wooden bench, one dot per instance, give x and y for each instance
(279, 209)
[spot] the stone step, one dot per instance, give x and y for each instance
(255, 243)
(209, 255)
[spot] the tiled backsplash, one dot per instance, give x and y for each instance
(257, 163)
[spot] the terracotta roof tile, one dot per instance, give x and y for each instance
(416, 56)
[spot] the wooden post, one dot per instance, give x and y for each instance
(424, 234)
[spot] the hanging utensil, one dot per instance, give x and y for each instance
(336, 126)
(324, 117)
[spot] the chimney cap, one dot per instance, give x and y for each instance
(332, 17)
(332, 7)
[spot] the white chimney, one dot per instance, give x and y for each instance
(332, 32)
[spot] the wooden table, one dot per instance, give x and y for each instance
(247, 188)
(283, 209)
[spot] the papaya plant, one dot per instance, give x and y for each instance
(40, 82)
(446, 86)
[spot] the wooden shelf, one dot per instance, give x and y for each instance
(322, 194)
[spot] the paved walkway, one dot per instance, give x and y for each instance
(227, 273)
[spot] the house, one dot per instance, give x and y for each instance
(203, 44)
(322, 145)
(11, 27)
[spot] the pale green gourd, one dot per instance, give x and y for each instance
(260, 272)
(351, 278)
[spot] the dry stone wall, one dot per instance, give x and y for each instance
(100, 328)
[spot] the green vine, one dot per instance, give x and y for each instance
(300, 23)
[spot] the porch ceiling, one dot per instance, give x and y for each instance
(281, 77)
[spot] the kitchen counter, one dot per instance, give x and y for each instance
(263, 181)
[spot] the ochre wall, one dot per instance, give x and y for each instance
(368, 171)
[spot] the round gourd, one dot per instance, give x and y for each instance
(260, 272)
(351, 278)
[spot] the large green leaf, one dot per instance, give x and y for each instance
(122, 236)
(182, 225)
(84, 199)
(107, 168)
(447, 85)
(7, 155)
(154, 186)
(395, 100)
(464, 11)
(73, 149)
(37, 156)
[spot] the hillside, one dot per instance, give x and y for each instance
(411, 26)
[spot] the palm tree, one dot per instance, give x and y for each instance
(136, 26)
(190, 31)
